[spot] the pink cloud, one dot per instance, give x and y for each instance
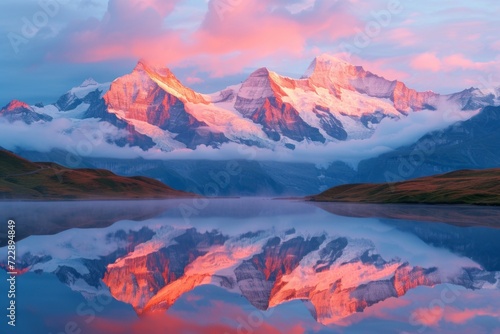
(430, 62)
(458, 60)
(496, 46)
(384, 67)
(433, 316)
(460, 317)
(428, 316)
(223, 44)
(426, 62)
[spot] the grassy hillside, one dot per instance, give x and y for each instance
(481, 187)
(22, 179)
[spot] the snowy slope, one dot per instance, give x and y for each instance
(334, 102)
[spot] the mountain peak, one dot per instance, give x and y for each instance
(15, 105)
(141, 65)
(261, 72)
(325, 63)
(145, 66)
(329, 59)
(147, 76)
(89, 82)
(266, 82)
(19, 111)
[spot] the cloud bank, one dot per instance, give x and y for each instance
(91, 138)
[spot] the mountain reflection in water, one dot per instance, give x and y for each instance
(311, 263)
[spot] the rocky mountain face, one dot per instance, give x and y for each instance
(150, 267)
(17, 111)
(337, 76)
(261, 99)
(156, 97)
(334, 101)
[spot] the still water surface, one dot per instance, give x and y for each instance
(252, 266)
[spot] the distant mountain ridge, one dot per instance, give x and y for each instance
(20, 111)
(470, 144)
(334, 101)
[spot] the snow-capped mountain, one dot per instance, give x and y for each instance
(334, 101)
(20, 111)
(155, 102)
(80, 98)
(84, 107)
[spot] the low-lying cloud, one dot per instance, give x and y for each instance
(91, 138)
